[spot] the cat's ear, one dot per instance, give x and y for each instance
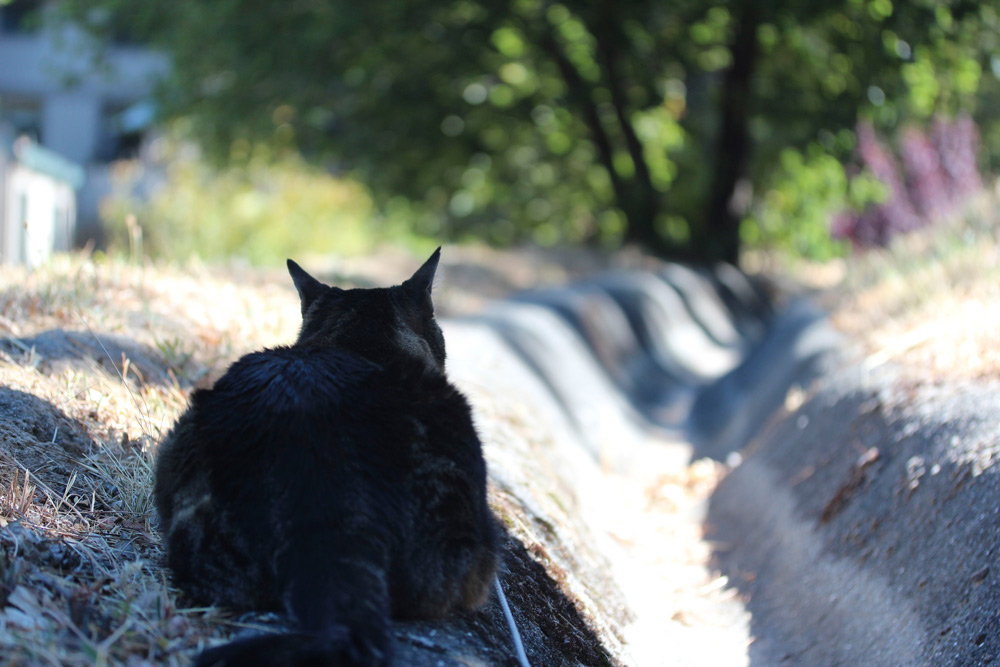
(420, 283)
(309, 288)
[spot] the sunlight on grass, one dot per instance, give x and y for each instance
(259, 210)
(97, 358)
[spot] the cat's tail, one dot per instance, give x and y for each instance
(339, 597)
(294, 650)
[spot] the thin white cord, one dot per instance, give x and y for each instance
(518, 646)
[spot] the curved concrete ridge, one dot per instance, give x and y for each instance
(861, 528)
(702, 299)
(608, 333)
(671, 336)
(731, 410)
(747, 301)
(605, 374)
(605, 425)
(681, 354)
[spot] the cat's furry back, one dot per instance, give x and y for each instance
(339, 479)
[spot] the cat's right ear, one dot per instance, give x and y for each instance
(420, 282)
(309, 288)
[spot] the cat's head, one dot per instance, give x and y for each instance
(380, 324)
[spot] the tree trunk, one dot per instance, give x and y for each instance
(635, 197)
(579, 92)
(644, 201)
(720, 234)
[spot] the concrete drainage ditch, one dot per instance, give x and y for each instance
(858, 528)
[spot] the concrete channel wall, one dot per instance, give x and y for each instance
(860, 528)
(603, 373)
(864, 527)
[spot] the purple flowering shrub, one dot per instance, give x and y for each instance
(938, 172)
(956, 143)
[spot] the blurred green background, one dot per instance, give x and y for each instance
(694, 129)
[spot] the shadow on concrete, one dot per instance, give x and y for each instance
(748, 301)
(863, 528)
(728, 412)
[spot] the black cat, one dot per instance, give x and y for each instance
(340, 479)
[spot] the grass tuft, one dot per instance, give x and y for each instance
(97, 359)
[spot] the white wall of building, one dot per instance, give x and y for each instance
(39, 216)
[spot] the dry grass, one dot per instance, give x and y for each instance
(931, 302)
(96, 361)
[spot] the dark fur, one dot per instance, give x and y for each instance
(339, 479)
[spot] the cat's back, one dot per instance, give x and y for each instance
(265, 403)
(297, 382)
(330, 398)
(288, 380)
(340, 477)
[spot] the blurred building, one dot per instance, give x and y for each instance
(37, 200)
(85, 105)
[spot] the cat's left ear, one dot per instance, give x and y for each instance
(420, 283)
(309, 288)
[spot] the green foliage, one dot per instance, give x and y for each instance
(462, 109)
(808, 189)
(261, 209)
(569, 121)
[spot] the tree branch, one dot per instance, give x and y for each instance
(647, 204)
(580, 91)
